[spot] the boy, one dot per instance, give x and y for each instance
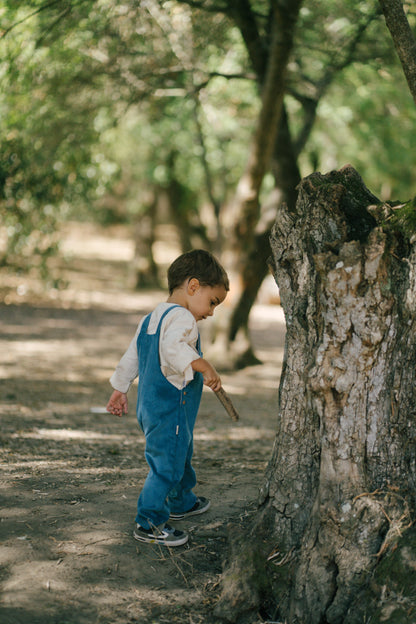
(165, 353)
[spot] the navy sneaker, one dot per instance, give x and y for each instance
(202, 504)
(166, 536)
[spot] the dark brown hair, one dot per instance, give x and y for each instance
(200, 264)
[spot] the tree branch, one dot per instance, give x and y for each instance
(43, 7)
(338, 63)
(403, 39)
(241, 12)
(52, 25)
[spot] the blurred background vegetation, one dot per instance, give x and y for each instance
(142, 112)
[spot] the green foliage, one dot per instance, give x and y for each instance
(365, 116)
(47, 160)
(96, 97)
(374, 129)
(402, 218)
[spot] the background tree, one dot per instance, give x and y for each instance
(45, 167)
(309, 79)
(271, 69)
(148, 87)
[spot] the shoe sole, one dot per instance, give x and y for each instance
(161, 542)
(190, 513)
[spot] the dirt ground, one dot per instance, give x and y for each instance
(70, 474)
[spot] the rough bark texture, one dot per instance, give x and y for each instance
(341, 483)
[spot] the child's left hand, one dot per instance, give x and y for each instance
(210, 375)
(211, 378)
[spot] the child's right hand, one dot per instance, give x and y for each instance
(118, 403)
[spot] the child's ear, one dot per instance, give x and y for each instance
(193, 285)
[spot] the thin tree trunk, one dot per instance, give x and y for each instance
(246, 204)
(144, 265)
(184, 211)
(256, 259)
(403, 39)
(341, 483)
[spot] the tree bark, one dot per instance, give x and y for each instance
(403, 39)
(341, 482)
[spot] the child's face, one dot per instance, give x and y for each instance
(202, 300)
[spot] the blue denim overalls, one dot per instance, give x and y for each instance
(167, 417)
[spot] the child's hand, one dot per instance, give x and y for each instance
(118, 403)
(210, 375)
(211, 378)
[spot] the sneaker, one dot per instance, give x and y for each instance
(202, 504)
(166, 536)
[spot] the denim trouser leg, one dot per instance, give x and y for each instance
(168, 486)
(181, 498)
(152, 508)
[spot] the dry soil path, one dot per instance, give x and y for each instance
(70, 475)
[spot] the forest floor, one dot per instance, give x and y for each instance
(70, 474)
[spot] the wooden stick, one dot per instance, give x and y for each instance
(227, 403)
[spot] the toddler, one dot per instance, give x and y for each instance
(165, 354)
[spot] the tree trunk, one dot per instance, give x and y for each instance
(246, 203)
(246, 206)
(255, 260)
(183, 209)
(144, 264)
(340, 486)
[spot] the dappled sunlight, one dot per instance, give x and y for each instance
(226, 433)
(102, 471)
(235, 433)
(68, 434)
(49, 464)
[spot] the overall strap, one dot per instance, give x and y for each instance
(146, 320)
(175, 305)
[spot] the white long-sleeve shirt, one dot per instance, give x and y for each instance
(177, 349)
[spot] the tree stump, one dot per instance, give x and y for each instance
(339, 490)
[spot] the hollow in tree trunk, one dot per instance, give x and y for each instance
(340, 487)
